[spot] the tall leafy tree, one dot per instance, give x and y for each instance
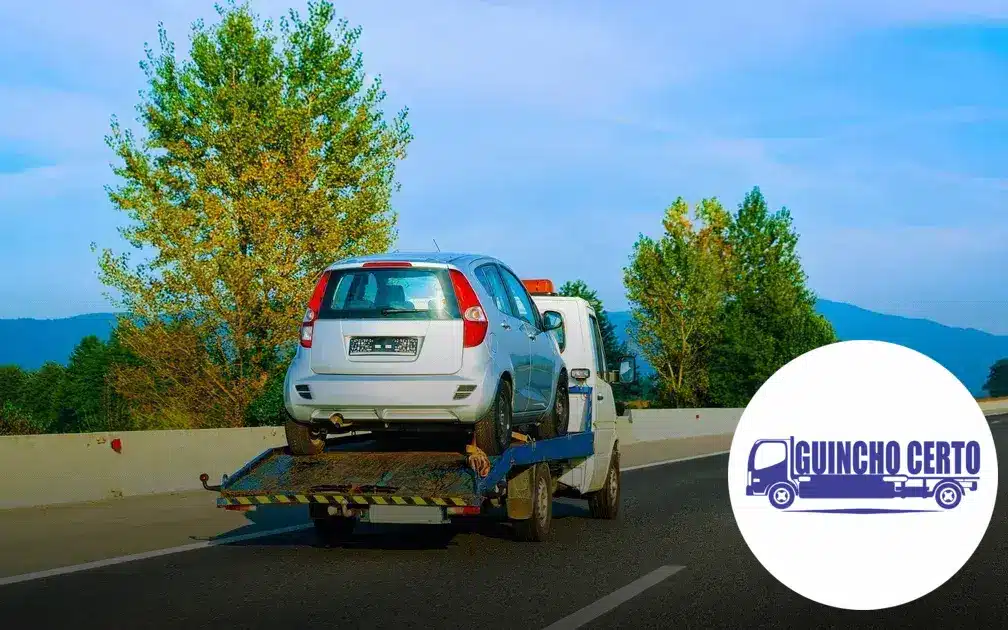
(90, 399)
(265, 157)
(720, 301)
(997, 381)
(770, 315)
(677, 285)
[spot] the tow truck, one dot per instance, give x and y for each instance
(361, 477)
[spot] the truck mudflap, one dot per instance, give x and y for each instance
(351, 473)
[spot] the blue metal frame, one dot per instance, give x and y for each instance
(578, 445)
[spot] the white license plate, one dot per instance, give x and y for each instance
(411, 514)
(383, 345)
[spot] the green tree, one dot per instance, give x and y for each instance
(720, 301)
(997, 381)
(266, 157)
(770, 315)
(613, 348)
(43, 396)
(89, 395)
(12, 384)
(677, 287)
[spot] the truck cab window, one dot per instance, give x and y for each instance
(770, 454)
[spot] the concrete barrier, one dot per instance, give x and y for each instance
(994, 406)
(68, 468)
(50, 469)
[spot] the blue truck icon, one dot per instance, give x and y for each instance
(783, 470)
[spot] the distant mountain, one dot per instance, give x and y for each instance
(966, 352)
(31, 342)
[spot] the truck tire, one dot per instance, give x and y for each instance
(334, 529)
(605, 503)
(556, 421)
(537, 528)
(493, 430)
(303, 439)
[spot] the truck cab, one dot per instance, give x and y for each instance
(579, 340)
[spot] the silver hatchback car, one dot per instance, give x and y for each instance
(424, 342)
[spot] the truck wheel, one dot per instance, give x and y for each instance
(537, 527)
(948, 494)
(303, 439)
(605, 503)
(334, 529)
(555, 423)
(493, 430)
(782, 495)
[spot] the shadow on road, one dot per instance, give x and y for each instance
(492, 524)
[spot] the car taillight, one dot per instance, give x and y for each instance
(474, 320)
(308, 324)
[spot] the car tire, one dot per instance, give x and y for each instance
(493, 430)
(537, 527)
(556, 421)
(605, 503)
(303, 439)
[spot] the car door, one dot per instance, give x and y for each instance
(526, 311)
(544, 358)
(514, 342)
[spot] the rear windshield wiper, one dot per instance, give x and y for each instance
(392, 311)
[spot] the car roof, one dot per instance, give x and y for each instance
(443, 258)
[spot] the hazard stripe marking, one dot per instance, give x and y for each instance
(355, 499)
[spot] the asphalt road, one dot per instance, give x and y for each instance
(674, 516)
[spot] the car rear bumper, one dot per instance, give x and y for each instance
(377, 401)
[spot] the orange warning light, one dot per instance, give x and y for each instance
(539, 286)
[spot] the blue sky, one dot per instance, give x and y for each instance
(551, 134)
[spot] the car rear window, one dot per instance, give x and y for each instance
(389, 293)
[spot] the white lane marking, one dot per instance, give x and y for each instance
(612, 600)
(673, 461)
(87, 566)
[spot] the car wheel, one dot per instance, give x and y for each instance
(554, 424)
(605, 503)
(303, 439)
(537, 527)
(493, 430)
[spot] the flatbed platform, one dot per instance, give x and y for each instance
(362, 470)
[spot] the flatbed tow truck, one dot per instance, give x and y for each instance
(361, 477)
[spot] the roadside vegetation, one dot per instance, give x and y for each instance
(997, 381)
(264, 155)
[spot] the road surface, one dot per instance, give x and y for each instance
(675, 558)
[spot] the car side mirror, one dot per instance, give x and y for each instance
(552, 321)
(628, 370)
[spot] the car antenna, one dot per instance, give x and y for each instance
(436, 246)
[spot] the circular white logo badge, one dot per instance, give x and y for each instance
(863, 475)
